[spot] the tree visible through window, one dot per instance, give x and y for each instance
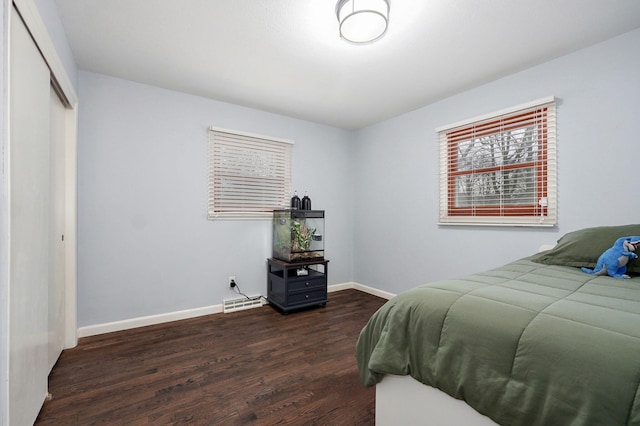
(500, 169)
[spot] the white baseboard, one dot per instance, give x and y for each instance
(127, 324)
(361, 287)
(93, 330)
(339, 287)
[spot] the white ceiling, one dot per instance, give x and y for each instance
(285, 56)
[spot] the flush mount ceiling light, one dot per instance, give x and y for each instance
(362, 21)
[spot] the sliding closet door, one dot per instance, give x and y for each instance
(29, 227)
(56, 237)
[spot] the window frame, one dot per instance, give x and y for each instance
(543, 211)
(248, 175)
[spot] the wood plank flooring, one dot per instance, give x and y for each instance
(255, 367)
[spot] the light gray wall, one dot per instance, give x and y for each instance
(144, 244)
(146, 248)
(397, 242)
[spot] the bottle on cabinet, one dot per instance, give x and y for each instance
(306, 202)
(295, 201)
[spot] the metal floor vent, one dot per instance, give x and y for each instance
(235, 305)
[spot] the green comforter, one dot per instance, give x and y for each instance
(525, 344)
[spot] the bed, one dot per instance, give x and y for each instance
(534, 342)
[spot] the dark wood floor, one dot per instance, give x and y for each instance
(251, 367)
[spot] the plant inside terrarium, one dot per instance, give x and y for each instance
(301, 236)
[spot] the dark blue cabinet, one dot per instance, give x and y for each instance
(292, 286)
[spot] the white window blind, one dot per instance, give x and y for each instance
(248, 175)
(500, 169)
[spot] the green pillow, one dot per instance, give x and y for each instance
(584, 247)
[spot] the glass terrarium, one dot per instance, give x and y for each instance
(298, 235)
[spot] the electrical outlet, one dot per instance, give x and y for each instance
(232, 281)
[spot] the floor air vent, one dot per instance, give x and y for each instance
(235, 305)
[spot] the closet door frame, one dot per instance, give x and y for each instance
(29, 15)
(60, 80)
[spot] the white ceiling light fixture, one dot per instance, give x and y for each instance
(362, 21)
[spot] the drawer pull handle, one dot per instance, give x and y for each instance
(307, 283)
(306, 296)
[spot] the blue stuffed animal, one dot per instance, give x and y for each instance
(614, 260)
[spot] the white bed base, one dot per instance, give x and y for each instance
(402, 400)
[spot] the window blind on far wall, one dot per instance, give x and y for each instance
(501, 168)
(249, 175)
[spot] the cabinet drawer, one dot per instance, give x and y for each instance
(301, 284)
(317, 295)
